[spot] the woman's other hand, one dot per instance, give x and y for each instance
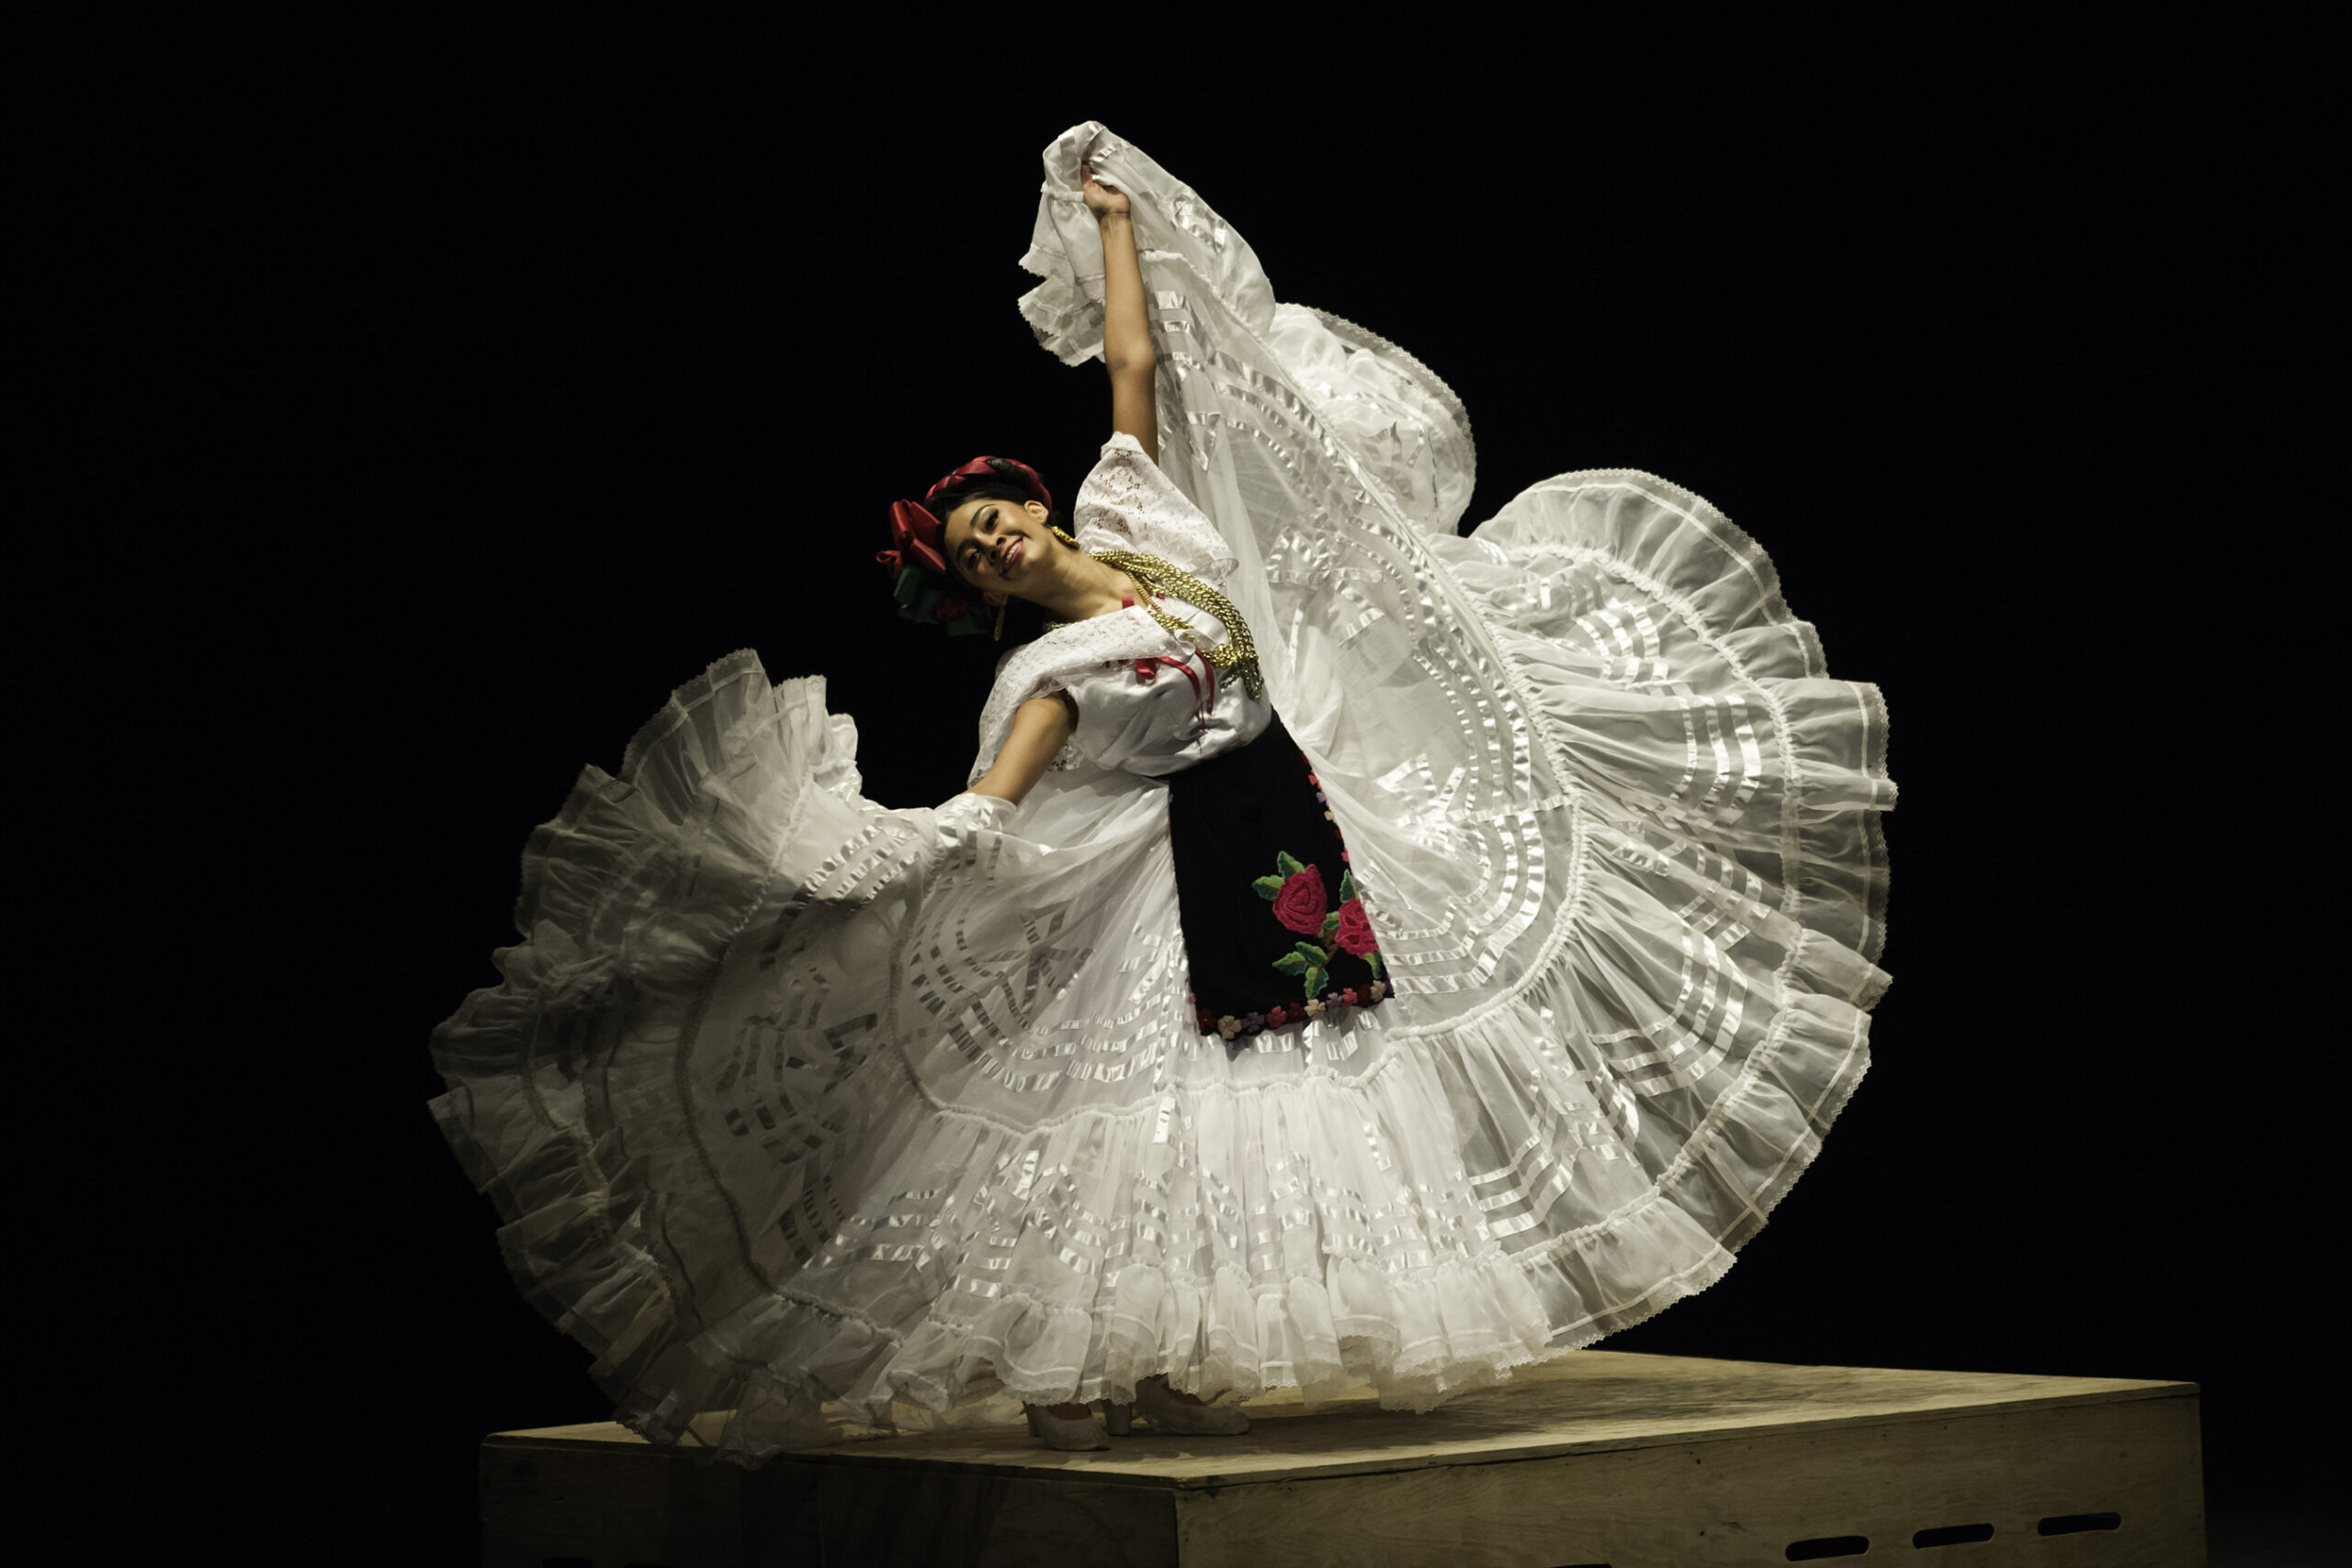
(1101, 200)
(971, 811)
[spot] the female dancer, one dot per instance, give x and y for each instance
(1365, 955)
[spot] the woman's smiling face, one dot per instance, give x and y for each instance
(996, 544)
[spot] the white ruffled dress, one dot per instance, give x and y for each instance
(800, 1110)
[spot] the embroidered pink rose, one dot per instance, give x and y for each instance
(1300, 904)
(1355, 929)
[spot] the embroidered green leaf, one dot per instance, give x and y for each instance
(1314, 983)
(1268, 886)
(1312, 953)
(1289, 862)
(1346, 883)
(1291, 963)
(1372, 962)
(1330, 923)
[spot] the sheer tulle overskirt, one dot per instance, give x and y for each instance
(801, 1109)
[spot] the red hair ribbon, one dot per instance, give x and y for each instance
(915, 539)
(985, 468)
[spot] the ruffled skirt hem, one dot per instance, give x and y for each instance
(787, 1370)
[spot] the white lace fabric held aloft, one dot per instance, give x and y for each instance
(799, 1106)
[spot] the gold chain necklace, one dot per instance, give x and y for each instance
(1236, 655)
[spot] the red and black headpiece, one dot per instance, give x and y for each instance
(917, 558)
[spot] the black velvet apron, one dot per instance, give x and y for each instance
(1273, 928)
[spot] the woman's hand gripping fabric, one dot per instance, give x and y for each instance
(1101, 200)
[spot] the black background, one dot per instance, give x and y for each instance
(404, 417)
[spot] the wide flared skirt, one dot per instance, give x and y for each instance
(801, 1109)
(776, 1159)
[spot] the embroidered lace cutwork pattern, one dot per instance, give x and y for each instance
(802, 1110)
(1129, 504)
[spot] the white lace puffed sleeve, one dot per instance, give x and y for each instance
(1128, 504)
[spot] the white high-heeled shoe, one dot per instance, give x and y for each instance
(1061, 1432)
(1159, 1404)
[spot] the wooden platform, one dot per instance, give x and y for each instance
(1634, 1462)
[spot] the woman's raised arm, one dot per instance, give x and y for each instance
(1126, 332)
(1040, 728)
